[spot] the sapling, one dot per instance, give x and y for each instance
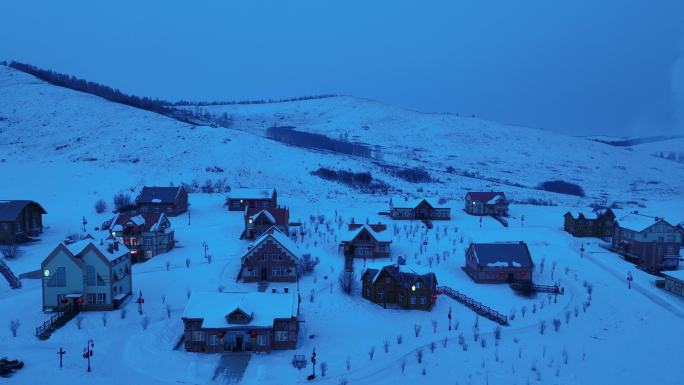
(419, 356)
(14, 326)
(385, 345)
(416, 330)
(371, 352)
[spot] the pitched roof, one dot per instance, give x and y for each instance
(264, 307)
(277, 216)
(102, 246)
(638, 222)
(510, 254)
(410, 203)
(280, 238)
(146, 221)
(10, 209)
(158, 194)
(486, 197)
(377, 231)
(252, 193)
(403, 275)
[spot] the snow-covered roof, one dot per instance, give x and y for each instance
(638, 222)
(263, 307)
(410, 203)
(158, 194)
(676, 274)
(145, 221)
(102, 246)
(486, 197)
(503, 254)
(251, 193)
(381, 236)
(9, 210)
(278, 236)
(404, 275)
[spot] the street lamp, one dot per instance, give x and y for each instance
(140, 301)
(88, 352)
(84, 222)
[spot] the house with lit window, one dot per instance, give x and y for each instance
(259, 198)
(240, 322)
(366, 241)
(397, 286)
(420, 209)
(258, 220)
(272, 257)
(492, 203)
(650, 242)
(499, 262)
(20, 220)
(171, 201)
(88, 274)
(146, 234)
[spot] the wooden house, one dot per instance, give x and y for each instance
(171, 201)
(258, 220)
(272, 257)
(500, 262)
(398, 286)
(674, 281)
(260, 198)
(366, 241)
(239, 322)
(20, 220)
(89, 274)
(492, 203)
(420, 209)
(581, 226)
(680, 229)
(146, 235)
(651, 243)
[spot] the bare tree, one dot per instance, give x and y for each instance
(542, 327)
(564, 353)
(347, 363)
(476, 333)
(324, 368)
(14, 326)
(100, 206)
(512, 313)
(523, 310)
(497, 334)
(402, 364)
(371, 353)
(416, 330)
(79, 322)
(188, 292)
(347, 281)
(168, 265)
(168, 311)
(104, 319)
(10, 251)
(145, 322)
(433, 346)
(434, 326)
(385, 345)
(122, 313)
(568, 314)
(343, 381)
(556, 324)
(444, 342)
(122, 202)
(400, 339)
(419, 356)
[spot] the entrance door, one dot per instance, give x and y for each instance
(264, 274)
(239, 342)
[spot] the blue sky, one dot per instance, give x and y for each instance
(582, 66)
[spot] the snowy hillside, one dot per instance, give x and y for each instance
(66, 149)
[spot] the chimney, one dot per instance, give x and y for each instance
(116, 246)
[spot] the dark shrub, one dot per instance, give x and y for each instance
(562, 187)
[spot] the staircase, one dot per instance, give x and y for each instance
(55, 322)
(501, 220)
(6, 272)
(476, 306)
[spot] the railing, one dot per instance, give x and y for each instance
(46, 327)
(56, 321)
(14, 282)
(531, 287)
(476, 306)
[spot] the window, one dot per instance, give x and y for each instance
(213, 340)
(168, 209)
(380, 295)
(281, 335)
(261, 339)
(101, 298)
(264, 257)
(412, 300)
(4, 226)
(418, 285)
(388, 280)
(197, 336)
(147, 241)
(58, 278)
(368, 292)
(100, 281)
(90, 275)
(157, 210)
(401, 297)
(423, 300)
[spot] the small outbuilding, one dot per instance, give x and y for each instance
(500, 262)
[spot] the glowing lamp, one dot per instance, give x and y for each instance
(46, 273)
(413, 288)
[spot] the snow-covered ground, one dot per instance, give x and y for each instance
(626, 336)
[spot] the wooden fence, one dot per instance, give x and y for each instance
(476, 306)
(14, 282)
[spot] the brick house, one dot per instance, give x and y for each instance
(272, 257)
(260, 198)
(581, 226)
(500, 262)
(90, 274)
(146, 235)
(420, 209)
(486, 203)
(20, 220)
(399, 286)
(366, 241)
(238, 322)
(171, 201)
(651, 243)
(258, 220)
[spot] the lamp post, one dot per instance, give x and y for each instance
(313, 361)
(140, 302)
(84, 222)
(449, 316)
(582, 251)
(88, 352)
(205, 246)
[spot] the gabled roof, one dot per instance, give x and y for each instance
(146, 221)
(158, 194)
(403, 275)
(279, 237)
(411, 203)
(377, 231)
(252, 193)
(277, 216)
(10, 209)
(486, 197)
(264, 307)
(597, 212)
(509, 254)
(101, 246)
(639, 222)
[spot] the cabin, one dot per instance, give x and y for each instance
(87, 274)
(650, 242)
(500, 262)
(146, 235)
(581, 226)
(20, 220)
(397, 286)
(420, 209)
(258, 220)
(171, 201)
(272, 257)
(240, 322)
(260, 198)
(366, 241)
(674, 282)
(492, 203)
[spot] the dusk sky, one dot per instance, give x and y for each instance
(580, 67)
